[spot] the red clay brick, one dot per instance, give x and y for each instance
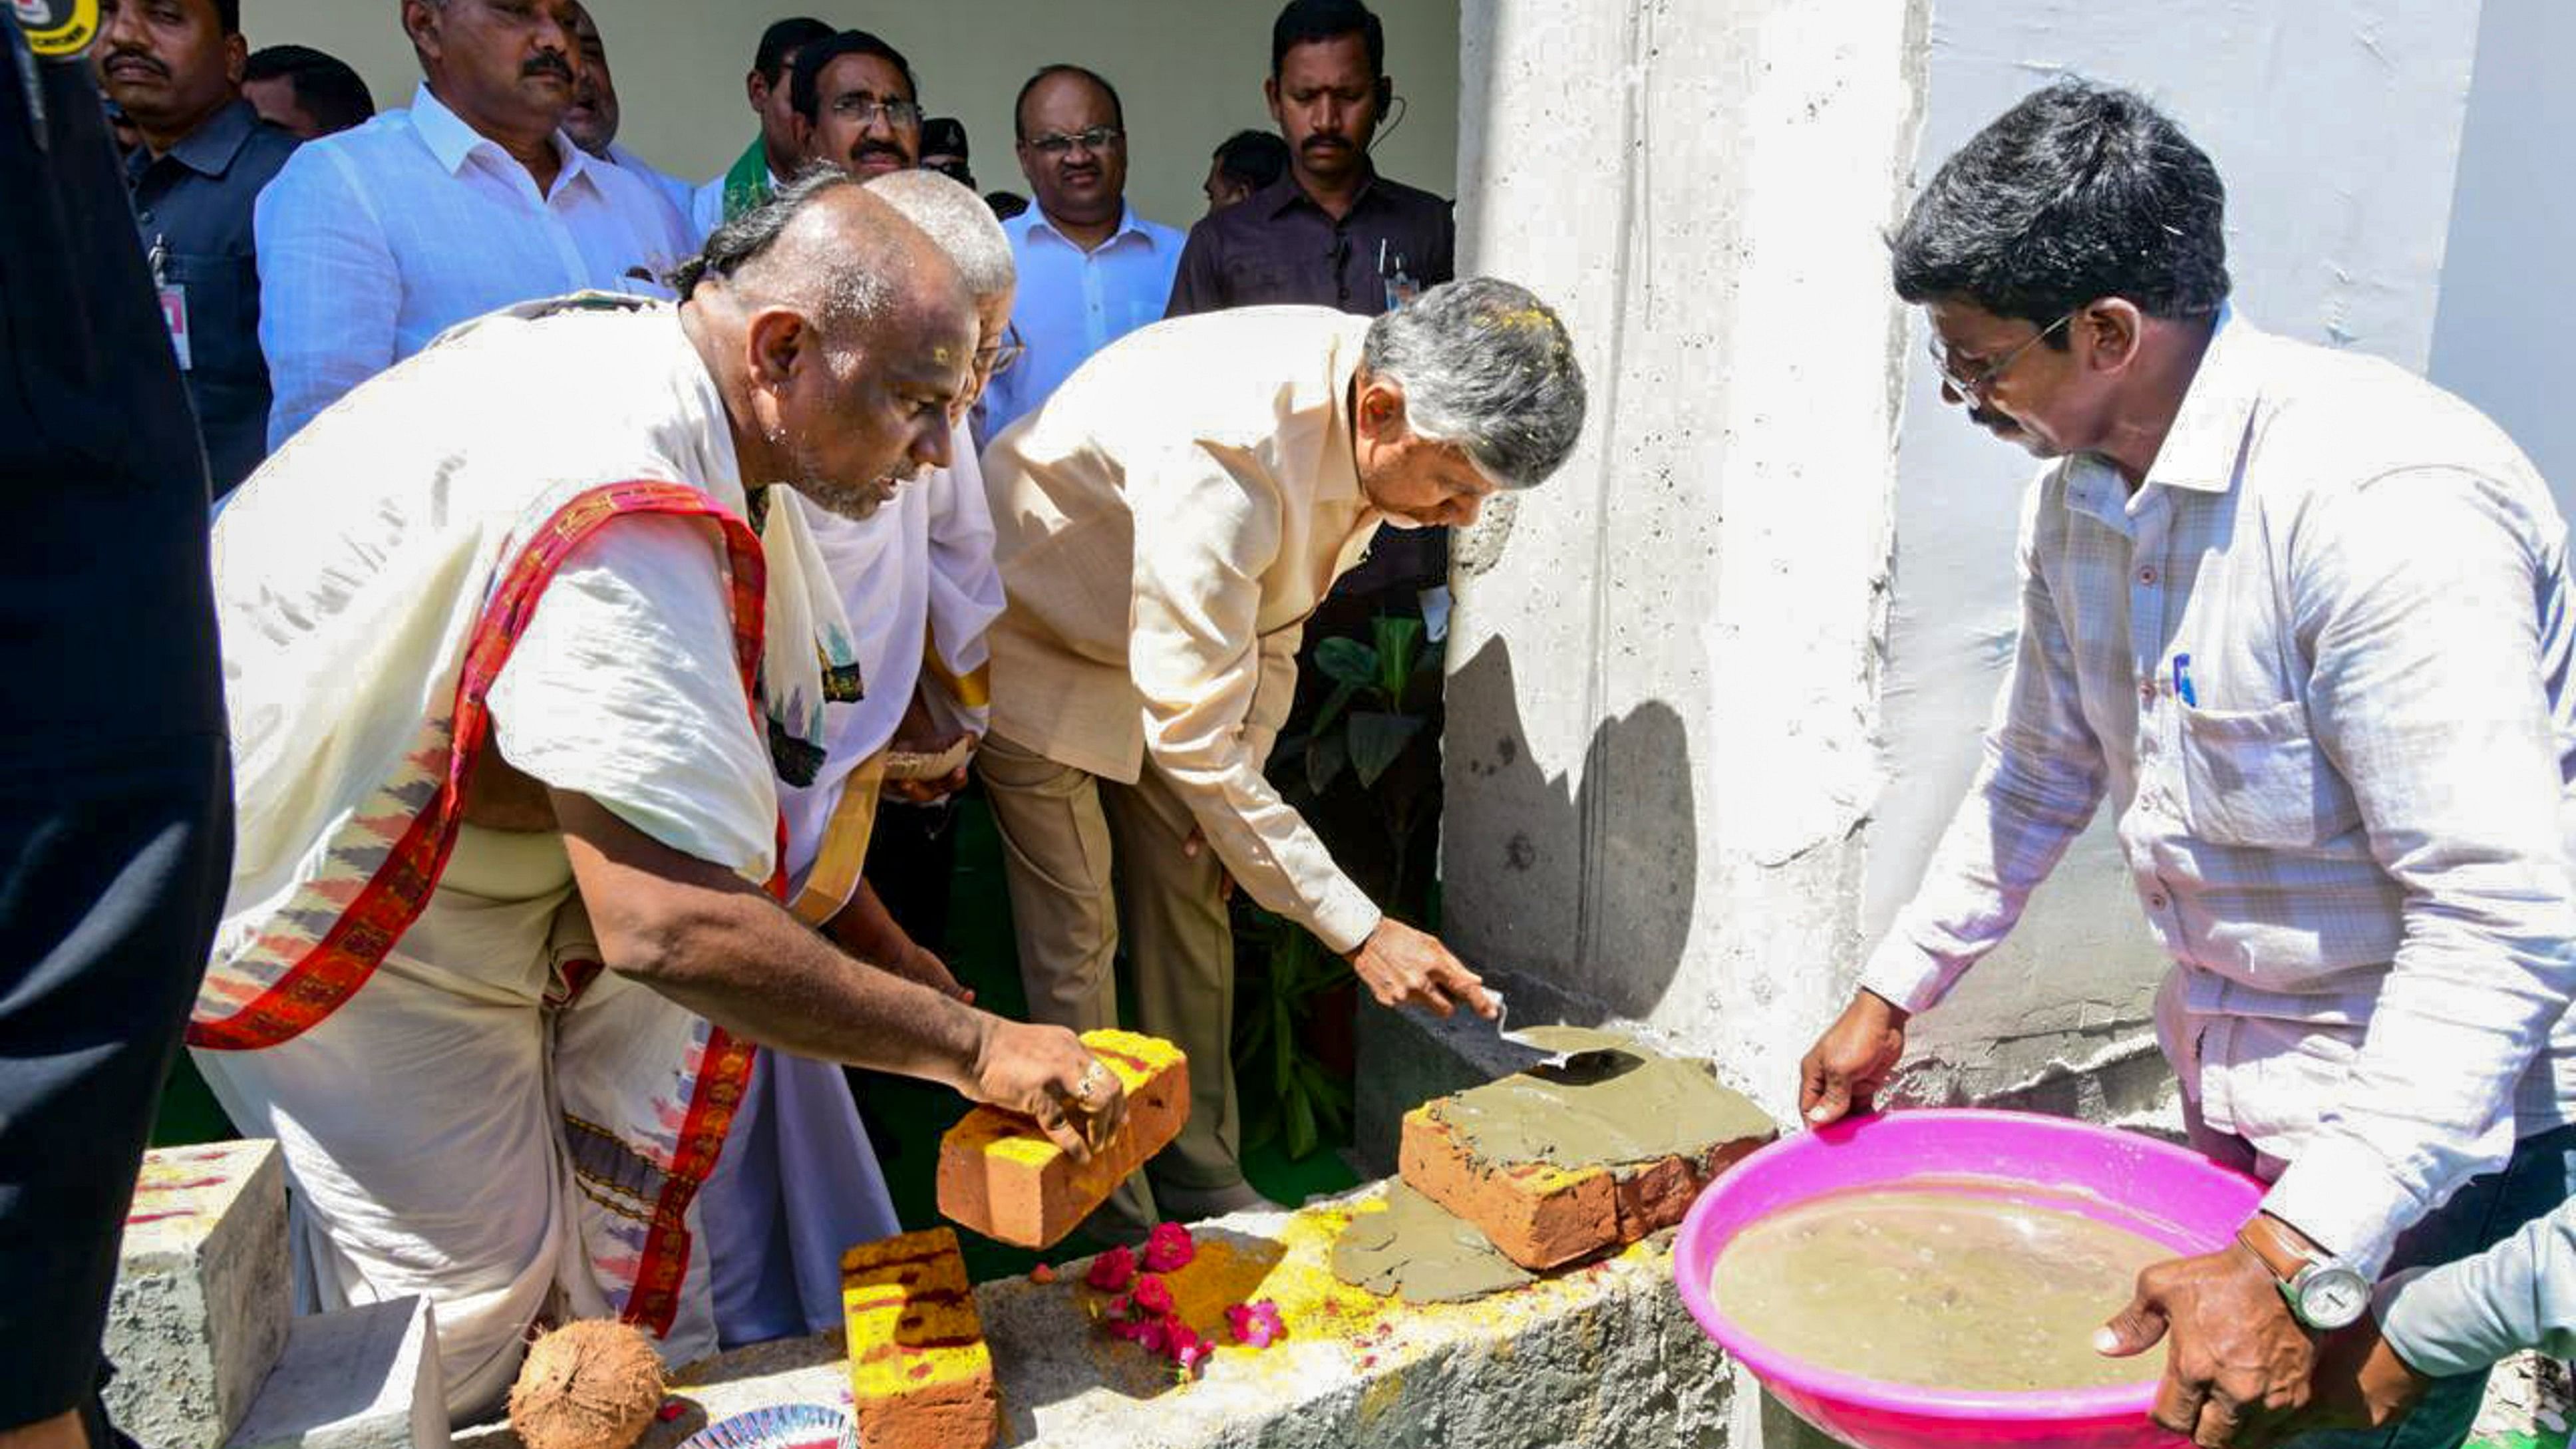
(1002, 1177)
(1542, 1216)
(920, 1374)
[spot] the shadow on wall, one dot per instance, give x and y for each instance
(1584, 892)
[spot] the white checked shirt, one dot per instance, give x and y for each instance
(1073, 303)
(2319, 661)
(374, 241)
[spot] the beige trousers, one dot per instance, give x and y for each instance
(1085, 857)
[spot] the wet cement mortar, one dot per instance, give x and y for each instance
(1615, 1103)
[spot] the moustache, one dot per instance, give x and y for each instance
(548, 63)
(1325, 143)
(144, 59)
(866, 149)
(1985, 417)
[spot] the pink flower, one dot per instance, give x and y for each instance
(1154, 1335)
(1112, 1271)
(1130, 1329)
(1185, 1346)
(1255, 1325)
(1118, 1307)
(1153, 1295)
(1169, 1248)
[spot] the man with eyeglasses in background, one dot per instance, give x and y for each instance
(1091, 270)
(857, 106)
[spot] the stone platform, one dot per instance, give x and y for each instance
(1598, 1355)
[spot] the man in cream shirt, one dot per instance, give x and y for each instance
(1165, 522)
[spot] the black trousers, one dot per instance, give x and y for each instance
(112, 872)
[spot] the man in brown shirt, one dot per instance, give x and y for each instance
(1165, 524)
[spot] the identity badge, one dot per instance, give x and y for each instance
(174, 313)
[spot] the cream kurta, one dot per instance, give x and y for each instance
(1165, 524)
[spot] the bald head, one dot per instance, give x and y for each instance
(825, 247)
(841, 336)
(959, 221)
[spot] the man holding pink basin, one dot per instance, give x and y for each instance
(2305, 621)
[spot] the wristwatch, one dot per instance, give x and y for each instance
(2325, 1293)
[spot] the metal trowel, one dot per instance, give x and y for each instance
(1532, 1055)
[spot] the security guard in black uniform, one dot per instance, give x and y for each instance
(115, 788)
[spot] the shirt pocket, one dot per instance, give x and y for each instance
(2257, 778)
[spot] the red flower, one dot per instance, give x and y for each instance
(1255, 1325)
(1112, 1271)
(1153, 1295)
(1155, 1334)
(1042, 1273)
(1185, 1346)
(1169, 1248)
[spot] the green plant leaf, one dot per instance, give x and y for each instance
(1347, 661)
(1324, 761)
(1300, 1124)
(1376, 738)
(1399, 642)
(1334, 704)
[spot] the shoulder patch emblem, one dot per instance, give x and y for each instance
(57, 29)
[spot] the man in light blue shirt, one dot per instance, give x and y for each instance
(1091, 270)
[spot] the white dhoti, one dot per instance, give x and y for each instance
(503, 1202)
(799, 1181)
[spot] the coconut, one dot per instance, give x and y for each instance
(591, 1384)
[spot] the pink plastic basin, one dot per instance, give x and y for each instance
(2167, 1193)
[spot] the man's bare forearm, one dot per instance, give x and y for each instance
(750, 967)
(709, 940)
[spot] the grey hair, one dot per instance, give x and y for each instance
(841, 295)
(1486, 367)
(960, 221)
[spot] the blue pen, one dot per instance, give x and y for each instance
(2182, 681)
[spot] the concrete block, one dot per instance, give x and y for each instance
(1604, 1355)
(362, 1378)
(1002, 1177)
(921, 1375)
(201, 1303)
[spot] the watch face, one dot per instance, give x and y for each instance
(2332, 1296)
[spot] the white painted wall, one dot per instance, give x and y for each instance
(1700, 747)
(1662, 668)
(1190, 72)
(2336, 125)
(2502, 339)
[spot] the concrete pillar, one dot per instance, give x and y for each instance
(1663, 667)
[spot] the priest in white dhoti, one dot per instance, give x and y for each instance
(522, 642)
(799, 1181)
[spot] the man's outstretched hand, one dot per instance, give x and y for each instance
(2239, 1365)
(1045, 1073)
(1405, 967)
(1852, 1060)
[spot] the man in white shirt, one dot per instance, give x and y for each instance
(519, 675)
(1091, 270)
(778, 152)
(375, 240)
(592, 119)
(2305, 621)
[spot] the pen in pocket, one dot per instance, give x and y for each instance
(2182, 681)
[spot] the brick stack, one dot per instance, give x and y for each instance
(921, 1376)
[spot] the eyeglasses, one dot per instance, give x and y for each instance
(1098, 138)
(859, 108)
(1972, 387)
(997, 359)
